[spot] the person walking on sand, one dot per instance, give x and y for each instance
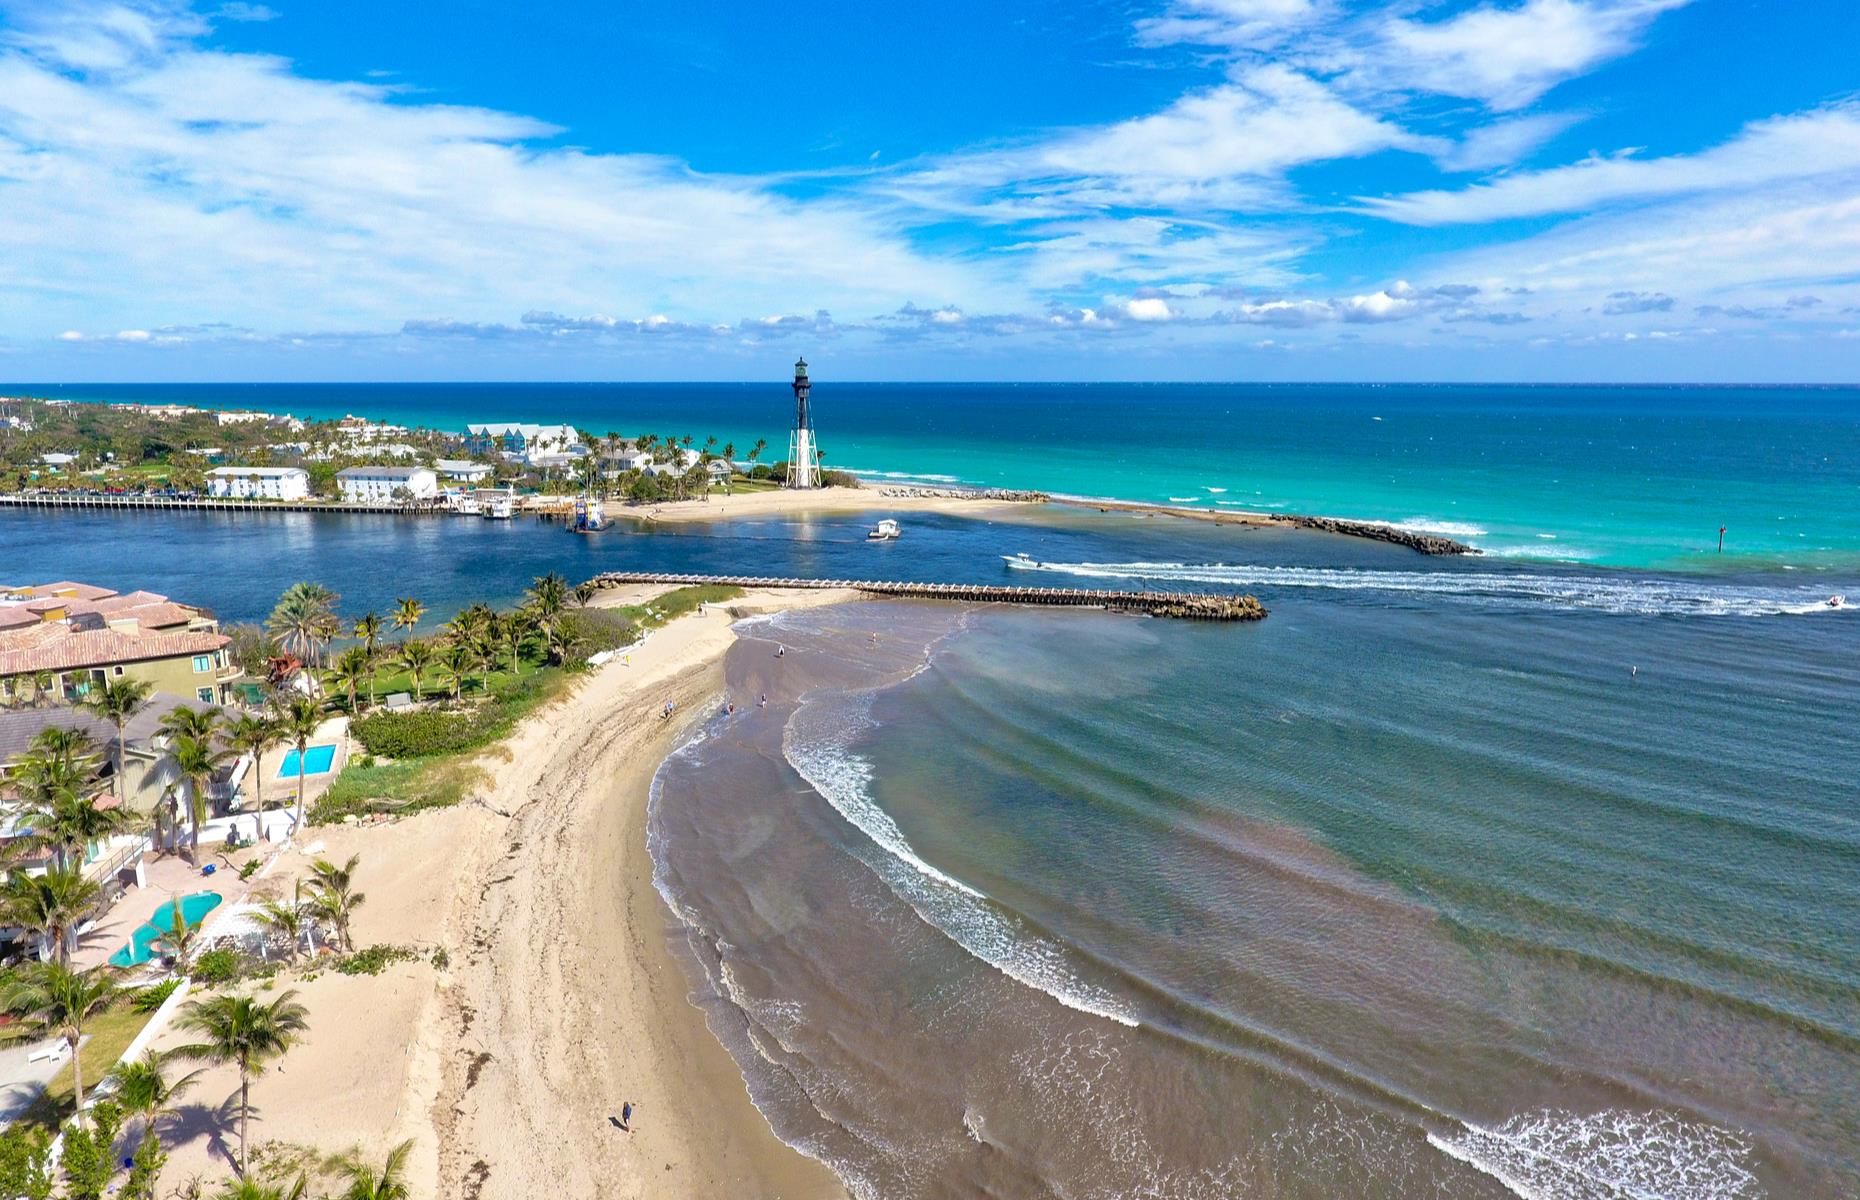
(626, 1116)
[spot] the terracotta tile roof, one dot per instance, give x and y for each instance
(21, 652)
(77, 591)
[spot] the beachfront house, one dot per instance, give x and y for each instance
(519, 440)
(60, 640)
(463, 470)
(678, 463)
(387, 485)
(259, 483)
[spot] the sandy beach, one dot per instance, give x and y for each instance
(823, 500)
(559, 999)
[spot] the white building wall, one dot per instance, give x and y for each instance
(289, 485)
(365, 489)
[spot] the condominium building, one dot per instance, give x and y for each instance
(387, 485)
(259, 483)
(60, 640)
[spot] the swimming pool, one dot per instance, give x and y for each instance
(141, 945)
(317, 762)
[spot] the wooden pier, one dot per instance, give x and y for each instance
(1201, 606)
(218, 504)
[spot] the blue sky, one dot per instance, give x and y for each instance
(1163, 189)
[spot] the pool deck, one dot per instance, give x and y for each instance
(167, 878)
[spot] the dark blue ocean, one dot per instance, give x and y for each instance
(1621, 476)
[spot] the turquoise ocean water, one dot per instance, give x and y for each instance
(1609, 476)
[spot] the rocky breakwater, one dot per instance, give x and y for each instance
(1424, 543)
(1199, 607)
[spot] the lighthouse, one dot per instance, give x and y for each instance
(803, 455)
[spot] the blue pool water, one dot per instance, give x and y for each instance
(316, 762)
(141, 945)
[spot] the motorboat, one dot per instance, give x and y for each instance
(1837, 602)
(885, 531)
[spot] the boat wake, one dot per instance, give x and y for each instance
(1650, 596)
(817, 745)
(1610, 1155)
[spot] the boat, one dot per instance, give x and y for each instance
(885, 531)
(496, 504)
(589, 516)
(1837, 602)
(1023, 559)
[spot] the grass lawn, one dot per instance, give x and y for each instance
(105, 1040)
(675, 604)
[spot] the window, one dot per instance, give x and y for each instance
(203, 662)
(117, 671)
(205, 695)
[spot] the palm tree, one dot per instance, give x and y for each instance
(297, 723)
(245, 1033)
(288, 921)
(254, 735)
(416, 657)
(548, 597)
(53, 785)
(368, 632)
(50, 904)
(407, 613)
(304, 620)
(195, 759)
(117, 701)
(59, 1002)
(143, 1089)
(457, 659)
(390, 1183)
(351, 669)
(336, 897)
(197, 723)
(252, 1189)
(755, 451)
(179, 937)
(516, 630)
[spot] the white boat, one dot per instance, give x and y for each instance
(1837, 602)
(496, 504)
(885, 531)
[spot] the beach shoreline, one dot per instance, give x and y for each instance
(545, 994)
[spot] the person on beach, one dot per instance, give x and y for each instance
(626, 1116)
(780, 650)
(762, 701)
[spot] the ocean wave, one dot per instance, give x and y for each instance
(968, 917)
(1610, 1155)
(1600, 593)
(1453, 529)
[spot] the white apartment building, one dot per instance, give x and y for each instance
(259, 483)
(387, 485)
(463, 470)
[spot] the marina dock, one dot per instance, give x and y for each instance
(1202, 606)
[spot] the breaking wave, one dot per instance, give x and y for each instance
(1645, 596)
(1610, 1155)
(822, 756)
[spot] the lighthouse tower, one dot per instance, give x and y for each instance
(803, 454)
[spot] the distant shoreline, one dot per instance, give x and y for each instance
(952, 499)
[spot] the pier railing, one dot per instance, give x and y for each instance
(1193, 605)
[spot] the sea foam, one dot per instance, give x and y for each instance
(1529, 589)
(1610, 1155)
(821, 755)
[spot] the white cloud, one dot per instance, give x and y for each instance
(1509, 56)
(1148, 308)
(1823, 142)
(143, 173)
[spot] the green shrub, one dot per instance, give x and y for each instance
(216, 966)
(593, 630)
(25, 1162)
(372, 960)
(150, 998)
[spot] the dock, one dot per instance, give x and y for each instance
(1199, 606)
(217, 504)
